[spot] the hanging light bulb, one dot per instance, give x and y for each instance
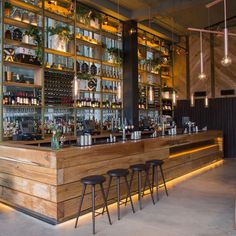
(105, 21)
(202, 75)
(174, 98)
(206, 102)
(75, 88)
(226, 60)
(151, 95)
(192, 101)
(119, 91)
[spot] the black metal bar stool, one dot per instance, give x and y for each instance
(93, 180)
(155, 164)
(118, 174)
(140, 168)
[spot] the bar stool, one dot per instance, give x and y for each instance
(155, 164)
(118, 174)
(93, 180)
(140, 168)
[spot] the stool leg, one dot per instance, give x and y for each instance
(162, 174)
(128, 191)
(108, 189)
(105, 203)
(155, 172)
(130, 185)
(118, 196)
(140, 189)
(93, 206)
(150, 186)
(145, 184)
(80, 205)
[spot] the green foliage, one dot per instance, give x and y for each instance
(63, 31)
(88, 14)
(117, 53)
(36, 34)
(8, 5)
(84, 76)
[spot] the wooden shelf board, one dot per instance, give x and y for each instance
(58, 70)
(19, 44)
(88, 59)
(59, 53)
(111, 79)
(57, 17)
(19, 24)
(106, 63)
(148, 72)
(23, 85)
(26, 6)
(20, 106)
(87, 27)
(166, 77)
(87, 43)
(22, 65)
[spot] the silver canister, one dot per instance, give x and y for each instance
(82, 140)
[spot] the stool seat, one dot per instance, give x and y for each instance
(155, 162)
(93, 179)
(118, 172)
(139, 167)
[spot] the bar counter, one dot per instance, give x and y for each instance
(45, 183)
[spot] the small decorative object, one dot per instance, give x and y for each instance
(84, 68)
(48, 65)
(8, 34)
(115, 55)
(77, 66)
(25, 18)
(17, 34)
(93, 69)
(8, 76)
(17, 15)
(92, 84)
(34, 20)
(9, 54)
(54, 140)
(7, 9)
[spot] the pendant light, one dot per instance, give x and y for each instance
(192, 100)
(206, 102)
(226, 60)
(202, 75)
(151, 95)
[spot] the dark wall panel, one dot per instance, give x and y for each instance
(220, 115)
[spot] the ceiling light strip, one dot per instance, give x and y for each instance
(211, 4)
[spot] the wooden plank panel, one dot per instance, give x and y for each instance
(30, 187)
(40, 174)
(30, 202)
(26, 154)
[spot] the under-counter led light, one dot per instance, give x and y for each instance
(75, 87)
(151, 97)
(174, 98)
(119, 91)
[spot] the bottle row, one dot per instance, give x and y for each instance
(21, 98)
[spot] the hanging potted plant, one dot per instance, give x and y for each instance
(33, 35)
(115, 55)
(59, 37)
(7, 9)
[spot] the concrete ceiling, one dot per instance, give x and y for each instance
(168, 16)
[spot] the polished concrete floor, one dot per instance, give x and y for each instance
(200, 205)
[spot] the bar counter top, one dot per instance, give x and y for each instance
(45, 183)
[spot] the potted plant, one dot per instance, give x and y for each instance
(59, 37)
(33, 35)
(7, 9)
(116, 55)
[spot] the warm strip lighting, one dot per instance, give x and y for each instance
(206, 102)
(192, 174)
(211, 4)
(192, 151)
(119, 91)
(174, 98)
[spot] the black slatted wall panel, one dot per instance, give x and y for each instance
(220, 115)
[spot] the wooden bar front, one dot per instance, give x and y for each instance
(46, 184)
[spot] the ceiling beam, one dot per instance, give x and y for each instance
(166, 7)
(109, 8)
(158, 30)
